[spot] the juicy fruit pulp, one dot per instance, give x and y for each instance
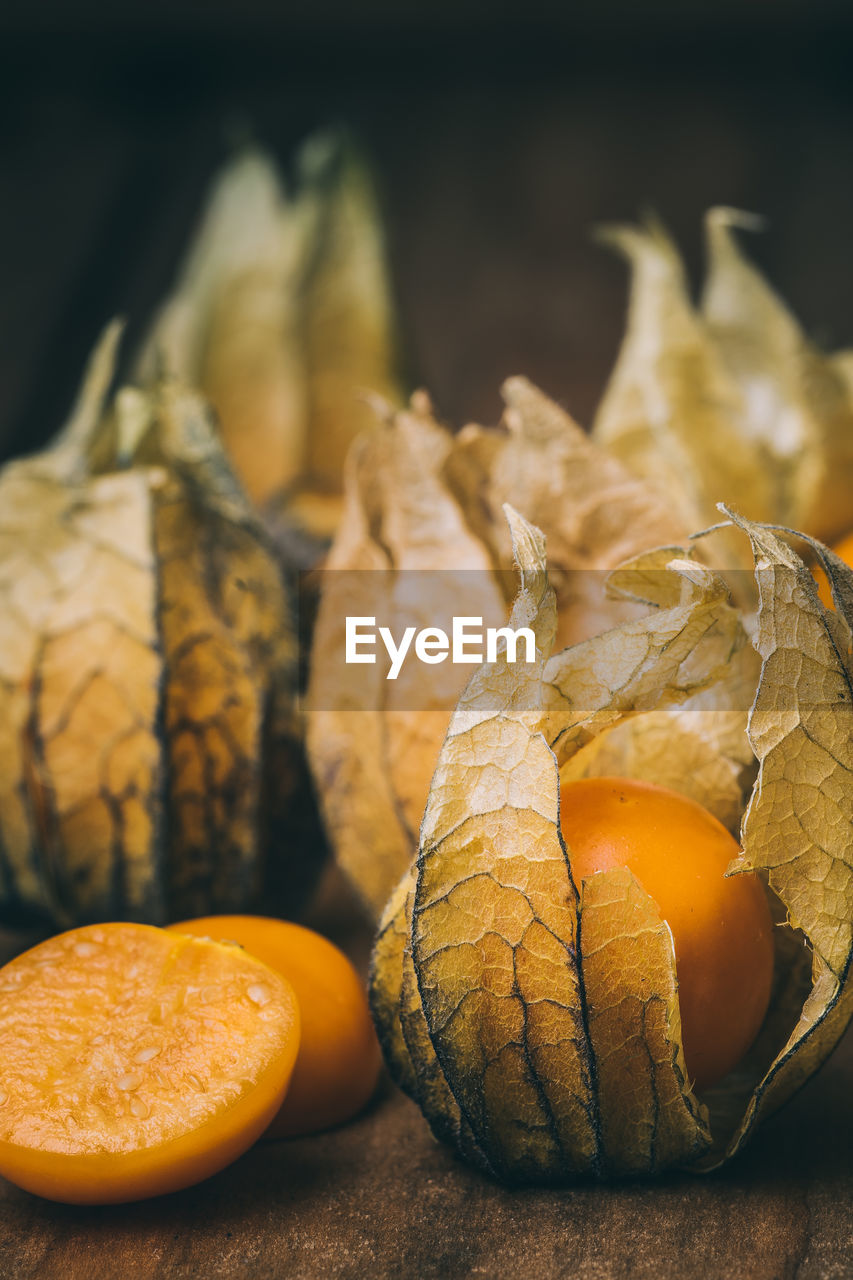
(721, 928)
(136, 1061)
(338, 1062)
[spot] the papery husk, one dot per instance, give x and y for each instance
(509, 998)
(729, 400)
(401, 546)
(150, 756)
(423, 501)
(594, 513)
(282, 315)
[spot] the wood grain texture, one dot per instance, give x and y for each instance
(381, 1198)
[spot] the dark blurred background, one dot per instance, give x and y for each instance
(500, 141)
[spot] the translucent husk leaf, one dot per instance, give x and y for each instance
(350, 347)
(79, 676)
(797, 828)
(232, 326)
(401, 545)
(795, 405)
(521, 988)
(148, 736)
(728, 400)
(593, 511)
(282, 315)
(422, 504)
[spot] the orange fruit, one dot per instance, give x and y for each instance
(844, 550)
(339, 1059)
(134, 1061)
(721, 928)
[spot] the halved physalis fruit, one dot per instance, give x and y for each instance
(136, 1061)
(339, 1059)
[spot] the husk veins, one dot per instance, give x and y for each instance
(535, 1020)
(150, 756)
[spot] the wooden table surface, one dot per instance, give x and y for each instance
(379, 1198)
(495, 163)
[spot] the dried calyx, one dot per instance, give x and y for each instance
(728, 401)
(423, 537)
(534, 1018)
(148, 726)
(282, 315)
